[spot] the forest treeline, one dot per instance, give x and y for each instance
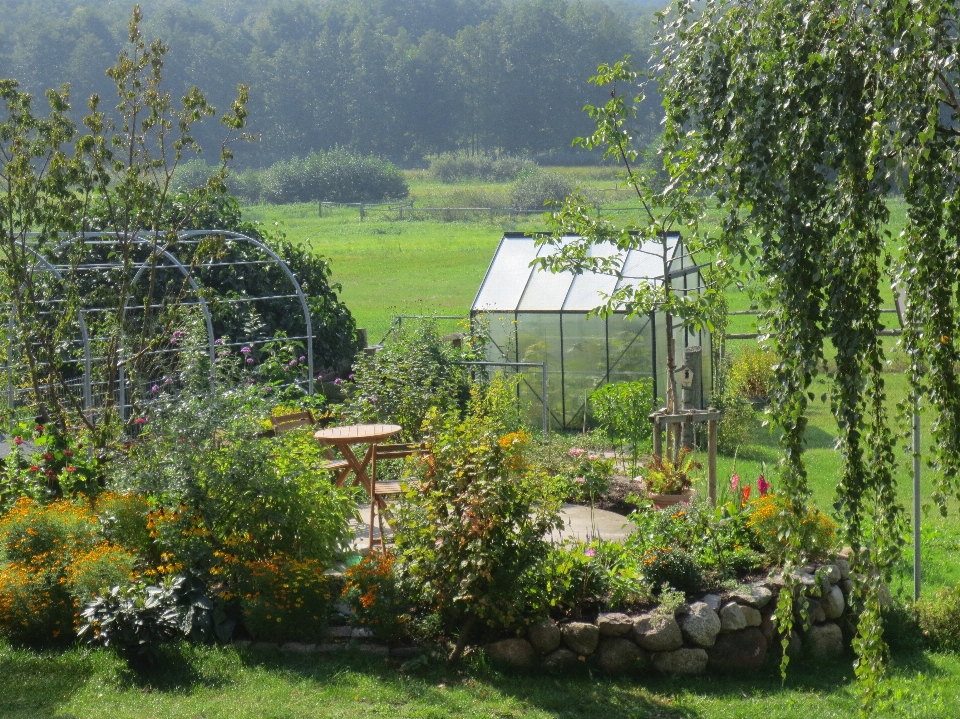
(402, 79)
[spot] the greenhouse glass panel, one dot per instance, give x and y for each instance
(507, 276)
(538, 340)
(630, 348)
(589, 290)
(584, 362)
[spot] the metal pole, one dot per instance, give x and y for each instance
(916, 500)
(543, 396)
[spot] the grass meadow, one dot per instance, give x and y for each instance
(387, 267)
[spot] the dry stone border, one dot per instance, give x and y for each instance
(728, 633)
(725, 633)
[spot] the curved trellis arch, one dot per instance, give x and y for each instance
(171, 256)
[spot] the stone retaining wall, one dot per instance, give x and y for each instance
(733, 631)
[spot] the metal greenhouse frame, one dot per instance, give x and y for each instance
(537, 316)
(246, 251)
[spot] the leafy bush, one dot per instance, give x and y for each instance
(939, 619)
(193, 174)
(215, 479)
(456, 166)
(736, 423)
(375, 598)
(579, 576)
(751, 374)
(138, 618)
(413, 373)
(470, 537)
(673, 567)
(334, 176)
(622, 410)
(535, 189)
(818, 533)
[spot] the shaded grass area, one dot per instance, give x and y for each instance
(212, 683)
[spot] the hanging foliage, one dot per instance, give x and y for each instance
(802, 117)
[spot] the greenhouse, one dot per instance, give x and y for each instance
(534, 316)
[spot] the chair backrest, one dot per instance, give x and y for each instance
(286, 422)
(399, 451)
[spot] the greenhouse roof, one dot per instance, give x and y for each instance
(512, 285)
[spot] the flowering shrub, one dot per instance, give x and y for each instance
(818, 532)
(374, 596)
(59, 466)
(589, 476)
(282, 598)
(53, 561)
(718, 540)
(470, 536)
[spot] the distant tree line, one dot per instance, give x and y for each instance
(402, 79)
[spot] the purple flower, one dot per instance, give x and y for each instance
(155, 388)
(577, 452)
(218, 341)
(293, 363)
(140, 420)
(338, 381)
(590, 552)
(373, 400)
(245, 350)
(319, 378)
(350, 377)
(249, 360)
(302, 358)
(18, 441)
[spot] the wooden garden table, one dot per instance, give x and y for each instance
(344, 437)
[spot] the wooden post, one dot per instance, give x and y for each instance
(712, 462)
(320, 208)
(361, 211)
(657, 436)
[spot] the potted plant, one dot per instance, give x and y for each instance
(668, 481)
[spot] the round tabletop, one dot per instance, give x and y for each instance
(357, 433)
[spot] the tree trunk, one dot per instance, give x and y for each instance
(462, 639)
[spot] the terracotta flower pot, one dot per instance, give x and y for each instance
(670, 500)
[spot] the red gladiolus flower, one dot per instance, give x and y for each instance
(763, 485)
(34, 468)
(68, 452)
(17, 440)
(746, 493)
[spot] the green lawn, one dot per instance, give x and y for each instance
(214, 683)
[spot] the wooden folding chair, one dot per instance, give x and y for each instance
(380, 490)
(286, 422)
